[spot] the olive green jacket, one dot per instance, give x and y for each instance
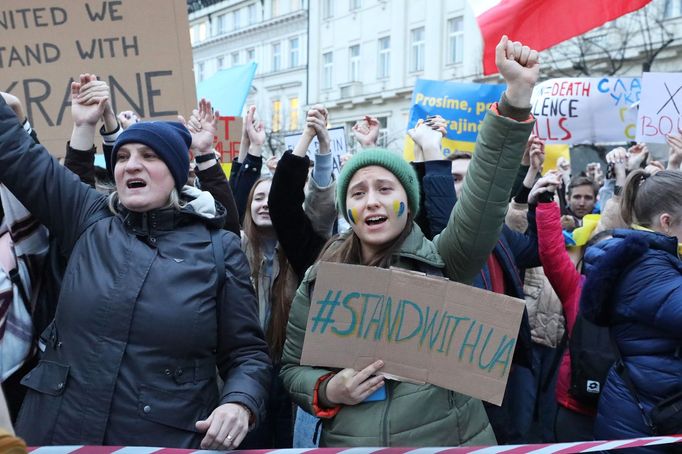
(424, 415)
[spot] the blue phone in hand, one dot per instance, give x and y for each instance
(379, 394)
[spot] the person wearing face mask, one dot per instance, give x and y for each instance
(378, 194)
(155, 302)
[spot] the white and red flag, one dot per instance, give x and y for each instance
(541, 24)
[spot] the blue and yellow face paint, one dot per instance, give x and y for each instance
(398, 208)
(353, 215)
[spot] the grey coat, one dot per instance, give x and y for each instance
(133, 354)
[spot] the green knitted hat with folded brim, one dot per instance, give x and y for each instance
(390, 161)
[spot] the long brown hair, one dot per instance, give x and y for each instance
(646, 196)
(346, 248)
(280, 293)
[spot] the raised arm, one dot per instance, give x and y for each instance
(50, 192)
(250, 168)
(202, 125)
(295, 232)
(477, 219)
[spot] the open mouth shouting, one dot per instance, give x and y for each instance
(136, 183)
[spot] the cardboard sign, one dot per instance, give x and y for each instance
(425, 329)
(462, 105)
(338, 145)
(142, 50)
(586, 109)
(660, 110)
(228, 138)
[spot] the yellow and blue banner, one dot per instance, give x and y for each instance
(462, 105)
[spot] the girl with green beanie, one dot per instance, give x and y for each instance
(378, 193)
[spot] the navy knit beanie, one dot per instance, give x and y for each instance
(170, 141)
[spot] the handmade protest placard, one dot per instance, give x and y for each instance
(660, 110)
(142, 50)
(462, 105)
(586, 109)
(338, 146)
(227, 140)
(424, 328)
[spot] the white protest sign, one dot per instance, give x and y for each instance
(661, 107)
(337, 136)
(586, 109)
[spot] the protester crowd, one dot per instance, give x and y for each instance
(156, 302)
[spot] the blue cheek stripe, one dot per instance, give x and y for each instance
(350, 216)
(401, 210)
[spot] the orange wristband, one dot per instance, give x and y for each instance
(324, 413)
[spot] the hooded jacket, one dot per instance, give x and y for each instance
(634, 286)
(423, 415)
(143, 319)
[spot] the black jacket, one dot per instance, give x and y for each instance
(141, 325)
(295, 233)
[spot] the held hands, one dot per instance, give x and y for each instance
(202, 125)
(428, 136)
(548, 183)
(316, 125)
(520, 67)
(366, 131)
(637, 154)
(225, 428)
(618, 158)
(89, 99)
(350, 387)
(127, 118)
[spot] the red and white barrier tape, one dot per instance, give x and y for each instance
(556, 448)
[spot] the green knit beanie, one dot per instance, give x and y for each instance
(390, 161)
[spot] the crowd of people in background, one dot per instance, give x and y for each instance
(155, 302)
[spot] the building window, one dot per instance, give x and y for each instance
(296, 5)
(221, 24)
(194, 34)
(276, 115)
(384, 57)
(202, 32)
(236, 20)
(274, 8)
(235, 58)
(221, 63)
(293, 52)
(417, 49)
(327, 9)
(673, 8)
(455, 40)
(327, 67)
(200, 71)
(355, 4)
(250, 55)
(354, 63)
(252, 13)
(293, 114)
(276, 56)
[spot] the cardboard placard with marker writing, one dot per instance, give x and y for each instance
(425, 329)
(142, 50)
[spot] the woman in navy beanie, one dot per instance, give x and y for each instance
(156, 301)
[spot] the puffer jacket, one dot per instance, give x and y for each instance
(568, 284)
(426, 415)
(634, 286)
(131, 356)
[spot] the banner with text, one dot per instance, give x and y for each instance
(660, 111)
(586, 109)
(338, 146)
(424, 328)
(228, 140)
(462, 105)
(142, 50)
